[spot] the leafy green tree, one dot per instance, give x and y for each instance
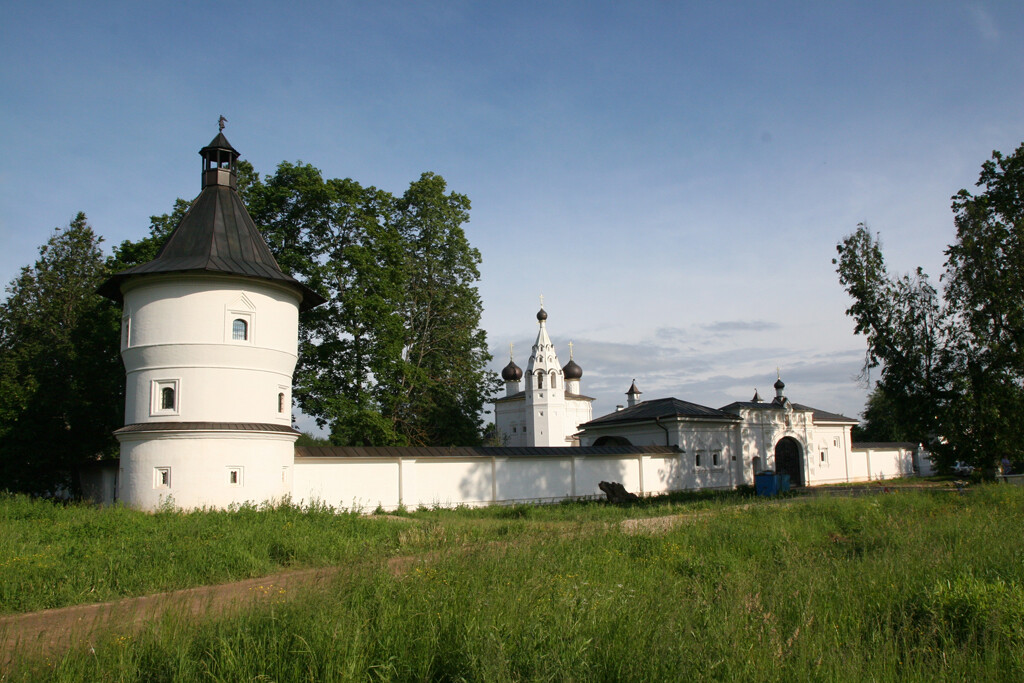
(905, 326)
(61, 378)
(951, 369)
(445, 385)
(333, 235)
(985, 291)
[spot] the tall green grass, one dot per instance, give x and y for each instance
(54, 556)
(898, 587)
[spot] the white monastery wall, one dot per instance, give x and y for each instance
(885, 463)
(475, 480)
(362, 483)
(549, 478)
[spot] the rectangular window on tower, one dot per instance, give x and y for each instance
(164, 398)
(161, 477)
(126, 331)
(234, 476)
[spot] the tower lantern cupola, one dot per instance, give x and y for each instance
(633, 395)
(220, 161)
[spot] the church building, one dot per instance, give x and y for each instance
(544, 406)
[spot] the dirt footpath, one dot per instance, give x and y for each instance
(67, 627)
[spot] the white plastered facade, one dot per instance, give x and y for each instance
(180, 333)
(729, 449)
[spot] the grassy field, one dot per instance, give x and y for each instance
(907, 586)
(53, 555)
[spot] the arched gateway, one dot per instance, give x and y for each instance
(788, 461)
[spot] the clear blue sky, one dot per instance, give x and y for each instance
(672, 176)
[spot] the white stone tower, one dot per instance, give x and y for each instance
(545, 390)
(209, 343)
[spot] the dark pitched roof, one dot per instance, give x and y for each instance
(205, 427)
(569, 396)
(819, 415)
(825, 416)
(217, 235)
(661, 408)
(471, 451)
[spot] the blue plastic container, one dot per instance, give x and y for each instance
(766, 484)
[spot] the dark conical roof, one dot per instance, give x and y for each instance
(217, 235)
(572, 370)
(633, 389)
(512, 372)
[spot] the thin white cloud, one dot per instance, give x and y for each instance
(984, 22)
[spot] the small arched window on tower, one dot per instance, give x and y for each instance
(554, 382)
(164, 397)
(239, 330)
(167, 398)
(280, 402)
(540, 379)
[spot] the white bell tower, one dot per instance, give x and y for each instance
(545, 390)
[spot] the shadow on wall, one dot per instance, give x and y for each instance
(551, 478)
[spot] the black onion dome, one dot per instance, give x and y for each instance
(572, 370)
(542, 315)
(779, 384)
(512, 372)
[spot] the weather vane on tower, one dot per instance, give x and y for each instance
(220, 122)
